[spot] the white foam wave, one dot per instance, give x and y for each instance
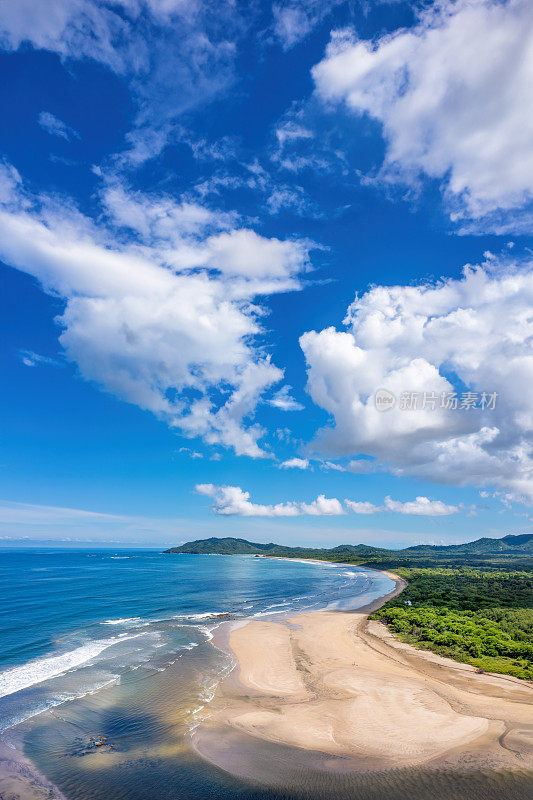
(207, 631)
(121, 621)
(50, 703)
(204, 615)
(267, 613)
(42, 669)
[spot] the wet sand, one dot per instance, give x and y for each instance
(322, 705)
(20, 779)
(331, 690)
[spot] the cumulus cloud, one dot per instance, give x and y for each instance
(189, 235)
(362, 507)
(429, 341)
(56, 127)
(451, 95)
(229, 500)
(323, 505)
(160, 309)
(422, 506)
(295, 463)
(233, 500)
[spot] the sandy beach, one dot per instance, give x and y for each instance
(323, 704)
(342, 693)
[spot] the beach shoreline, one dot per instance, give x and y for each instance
(21, 778)
(331, 690)
(301, 679)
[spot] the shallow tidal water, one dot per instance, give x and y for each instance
(171, 770)
(148, 754)
(142, 699)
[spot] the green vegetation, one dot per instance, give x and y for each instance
(472, 602)
(481, 617)
(510, 551)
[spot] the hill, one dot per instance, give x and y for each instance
(485, 551)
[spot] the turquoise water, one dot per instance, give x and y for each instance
(72, 622)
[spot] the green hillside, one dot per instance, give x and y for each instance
(517, 550)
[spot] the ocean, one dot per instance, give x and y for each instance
(116, 647)
(73, 622)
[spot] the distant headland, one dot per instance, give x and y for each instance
(516, 549)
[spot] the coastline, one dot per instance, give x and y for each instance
(332, 691)
(327, 695)
(19, 777)
(22, 777)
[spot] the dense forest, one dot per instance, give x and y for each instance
(481, 617)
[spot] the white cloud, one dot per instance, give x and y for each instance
(362, 507)
(295, 19)
(229, 500)
(70, 28)
(290, 198)
(244, 252)
(295, 463)
(333, 466)
(174, 55)
(284, 400)
(290, 131)
(188, 235)
(422, 506)
(452, 94)
(428, 338)
(323, 505)
(233, 500)
(56, 127)
(31, 359)
(159, 304)
(191, 453)
(10, 182)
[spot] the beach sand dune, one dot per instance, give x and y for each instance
(333, 685)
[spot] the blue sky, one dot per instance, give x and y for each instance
(224, 228)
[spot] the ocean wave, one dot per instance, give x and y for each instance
(208, 632)
(204, 615)
(121, 621)
(267, 613)
(43, 669)
(49, 703)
